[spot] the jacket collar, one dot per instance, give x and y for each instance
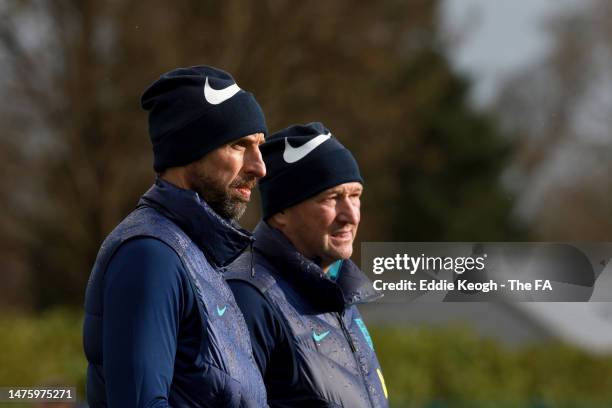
(221, 240)
(351, 287)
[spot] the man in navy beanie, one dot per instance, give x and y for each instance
(298, 291)
(161, 326)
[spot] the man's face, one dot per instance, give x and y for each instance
(323, 227)
(225, 176)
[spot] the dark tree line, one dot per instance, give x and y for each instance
(76, 156)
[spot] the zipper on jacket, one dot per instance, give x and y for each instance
(252, 261)
(346, 333)
(354, 352)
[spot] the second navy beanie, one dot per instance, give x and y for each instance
(302, 161)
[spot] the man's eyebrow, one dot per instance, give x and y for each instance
(353, 190)
(245, 142)
(326, 193)
(342, 190)
(334, 192)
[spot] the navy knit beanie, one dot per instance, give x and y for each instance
(301, 161)
(195, 110)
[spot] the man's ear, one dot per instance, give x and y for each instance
(278, 220)
(176, 176)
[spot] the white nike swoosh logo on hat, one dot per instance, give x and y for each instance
(293, 154)
(217, 96)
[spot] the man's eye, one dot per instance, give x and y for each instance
(238, 146)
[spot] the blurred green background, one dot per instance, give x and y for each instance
(423, 368)
(532, 163)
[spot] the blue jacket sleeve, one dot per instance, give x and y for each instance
(143, 305)
(265, 328)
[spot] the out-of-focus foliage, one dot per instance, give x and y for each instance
(423, 368)
(455, 368)
(560, 110)
(42, 351)
(75, 151)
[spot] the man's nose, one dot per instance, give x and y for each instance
(348, 211)
(254, 164)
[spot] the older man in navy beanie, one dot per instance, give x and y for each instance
(298, 291)
(162, 327)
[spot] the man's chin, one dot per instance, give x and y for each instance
(341, 244)
(237, 210)
(341, 253)
(231, 210)
(237, 200)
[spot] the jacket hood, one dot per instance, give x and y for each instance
(221, 240)
(351, 287)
